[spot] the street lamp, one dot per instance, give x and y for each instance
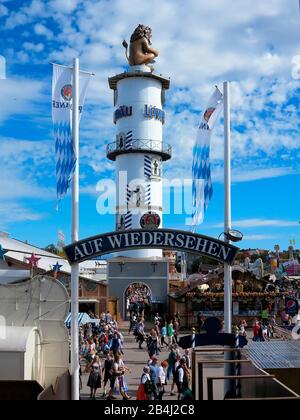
(233, 235)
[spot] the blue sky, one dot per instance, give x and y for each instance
(251, 43)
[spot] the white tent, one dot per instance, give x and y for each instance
(42, 302)
(21, 354)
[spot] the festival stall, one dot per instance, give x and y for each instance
(250, 296)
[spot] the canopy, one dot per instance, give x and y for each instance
(83, 319)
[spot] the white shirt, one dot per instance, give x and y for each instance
(145, 378)
(176, 365)
(180, 375)
(161, 375)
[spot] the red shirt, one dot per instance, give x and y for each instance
(256, 330)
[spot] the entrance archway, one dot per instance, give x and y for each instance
(138, 299)
(110, 243)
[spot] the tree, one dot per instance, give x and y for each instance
(54, 250)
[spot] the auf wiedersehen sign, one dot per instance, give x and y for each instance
(143, 239)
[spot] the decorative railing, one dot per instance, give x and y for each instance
(138, 145)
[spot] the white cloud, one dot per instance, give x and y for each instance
(253, 223)
(19, 184)
(23, 58)
(16, 19)
(42, 30)
(259, 237)
(3, 10)
(20, 96)
(252, 174)
(37, 48)
(11, 213)
(65, 6)
(14, 186)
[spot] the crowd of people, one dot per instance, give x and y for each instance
(174, 370)
(162, 335)
(102, 339)
(102, 351)
(138, 300)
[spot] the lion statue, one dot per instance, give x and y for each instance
(140, 51)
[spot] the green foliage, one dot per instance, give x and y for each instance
(54, 250)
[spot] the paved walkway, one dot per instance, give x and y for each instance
(135, 359)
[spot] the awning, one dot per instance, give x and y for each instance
(83, 319)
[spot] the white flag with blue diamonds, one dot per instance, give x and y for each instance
(202, 185)
(62, 95)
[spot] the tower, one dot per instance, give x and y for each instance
(139, 150)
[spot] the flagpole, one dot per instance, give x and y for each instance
(227, 225)
(75, 237)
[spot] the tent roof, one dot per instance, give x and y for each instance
(18, 251)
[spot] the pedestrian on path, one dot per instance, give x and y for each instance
(176, 366)
(154, 376)
(163, 335)
(182, 378)
(133, 322)
(94, 382)
(108, 371)
(116, 344)
(187, 358)
(161, 379)
(153, 348)
(171, 363)
(145, 390)
(119, 376)
(170, 332)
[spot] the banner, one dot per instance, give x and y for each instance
(62, 96)
(202, 185)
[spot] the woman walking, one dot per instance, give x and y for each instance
(171, 363)
(153, 348)
(108, 372)
(162, 379)
(94, 381)
(175, 368)
(119, 375)
(145, 390)
(170, 332)
(164, 335)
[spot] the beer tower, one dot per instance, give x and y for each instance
(139, 151)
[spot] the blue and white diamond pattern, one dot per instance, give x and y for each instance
(202, 185)
(65, 158)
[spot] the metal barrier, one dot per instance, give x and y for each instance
(214, 362)
(210, 381)
(195, 369)
(248, 381)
